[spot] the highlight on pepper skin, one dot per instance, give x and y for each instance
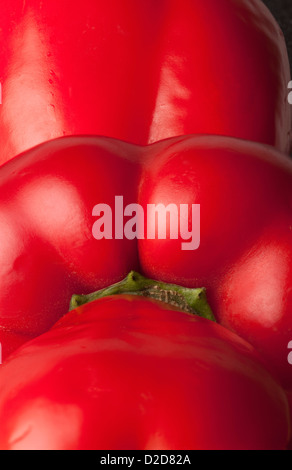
(161, 377)
(141, 71)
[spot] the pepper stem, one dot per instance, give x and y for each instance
(192, 300)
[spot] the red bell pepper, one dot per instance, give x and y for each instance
(50, 251)
(141, 71)
(128, 372)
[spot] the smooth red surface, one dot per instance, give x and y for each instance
(47, 248)
(125, 372)
(245, 255)
(141, 71)
(48, 252)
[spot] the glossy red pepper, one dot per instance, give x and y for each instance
(126, 372)
(141, 71)
(244, 259)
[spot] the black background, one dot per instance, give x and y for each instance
(282, 11)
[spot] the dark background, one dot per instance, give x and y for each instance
(282, 11)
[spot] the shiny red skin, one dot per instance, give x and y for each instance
(245, 255)
(128, 373)
(244, 260)
(141, 71)
(48, 252)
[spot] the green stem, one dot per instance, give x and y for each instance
(192, 300)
